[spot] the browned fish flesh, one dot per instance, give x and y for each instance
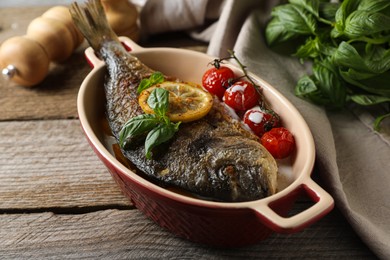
(214, 157)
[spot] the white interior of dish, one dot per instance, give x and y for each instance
(190, 66)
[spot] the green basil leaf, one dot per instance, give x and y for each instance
(328, 10)
(329, 82)
(377, 84)
(158, 100)
(136, 126)
(336, 32)
(296, 19)
(378, 121)
(363, 23)
(374, 6)
(312, 6)
(157, 136)
(156, 78)
(306, 88)
(315, 48)
(276, 33)
(377, 58)
(346, 55)
(347, 7)
(350, 74)
(291, 21)
(368, 100)
(144, 84)
(309, 50)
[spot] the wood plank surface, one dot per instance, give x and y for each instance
(60, 174)
(14, 20)
(127, 234)
(49, 164)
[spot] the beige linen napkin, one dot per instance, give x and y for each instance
(352, 160)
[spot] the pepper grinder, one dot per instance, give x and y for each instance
(122, 16)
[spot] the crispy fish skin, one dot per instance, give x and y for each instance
(213, 157)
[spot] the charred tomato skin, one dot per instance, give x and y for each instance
(279, 142)
(217, 80)
(241, 96)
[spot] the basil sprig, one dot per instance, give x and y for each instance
(157, 127)
(155, 78)
(347, 43)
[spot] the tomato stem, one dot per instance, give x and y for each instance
(243, 68)
(217, 63)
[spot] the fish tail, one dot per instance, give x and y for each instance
(92, 22)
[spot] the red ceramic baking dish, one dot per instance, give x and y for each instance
(214, 223)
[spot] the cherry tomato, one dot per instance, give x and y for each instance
(279, 142)
(261, 121)
(241, 96)
(216, 81)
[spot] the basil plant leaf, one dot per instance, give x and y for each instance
(328, 10)
(296, 19)
(311, 49)
(347, 7)
(376, 59)
(158, 100)
(374, 5)
(377, 84)
(276, 32)
(306, 88)
(378, 121)
(346, 55)
(314, 48)
(137, 126)
(160, 134)
(347, 42)
(368, 100)
(329, 82)
(363, 23)
(311, 6)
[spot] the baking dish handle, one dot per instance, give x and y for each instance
(130, 45)
(94, 61)
(323, 204)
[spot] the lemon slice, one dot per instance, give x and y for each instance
(187, 101)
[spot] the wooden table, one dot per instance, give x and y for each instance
(57, 200)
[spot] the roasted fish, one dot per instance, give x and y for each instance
(213, 157)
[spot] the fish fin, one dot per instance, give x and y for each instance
(92, 22)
